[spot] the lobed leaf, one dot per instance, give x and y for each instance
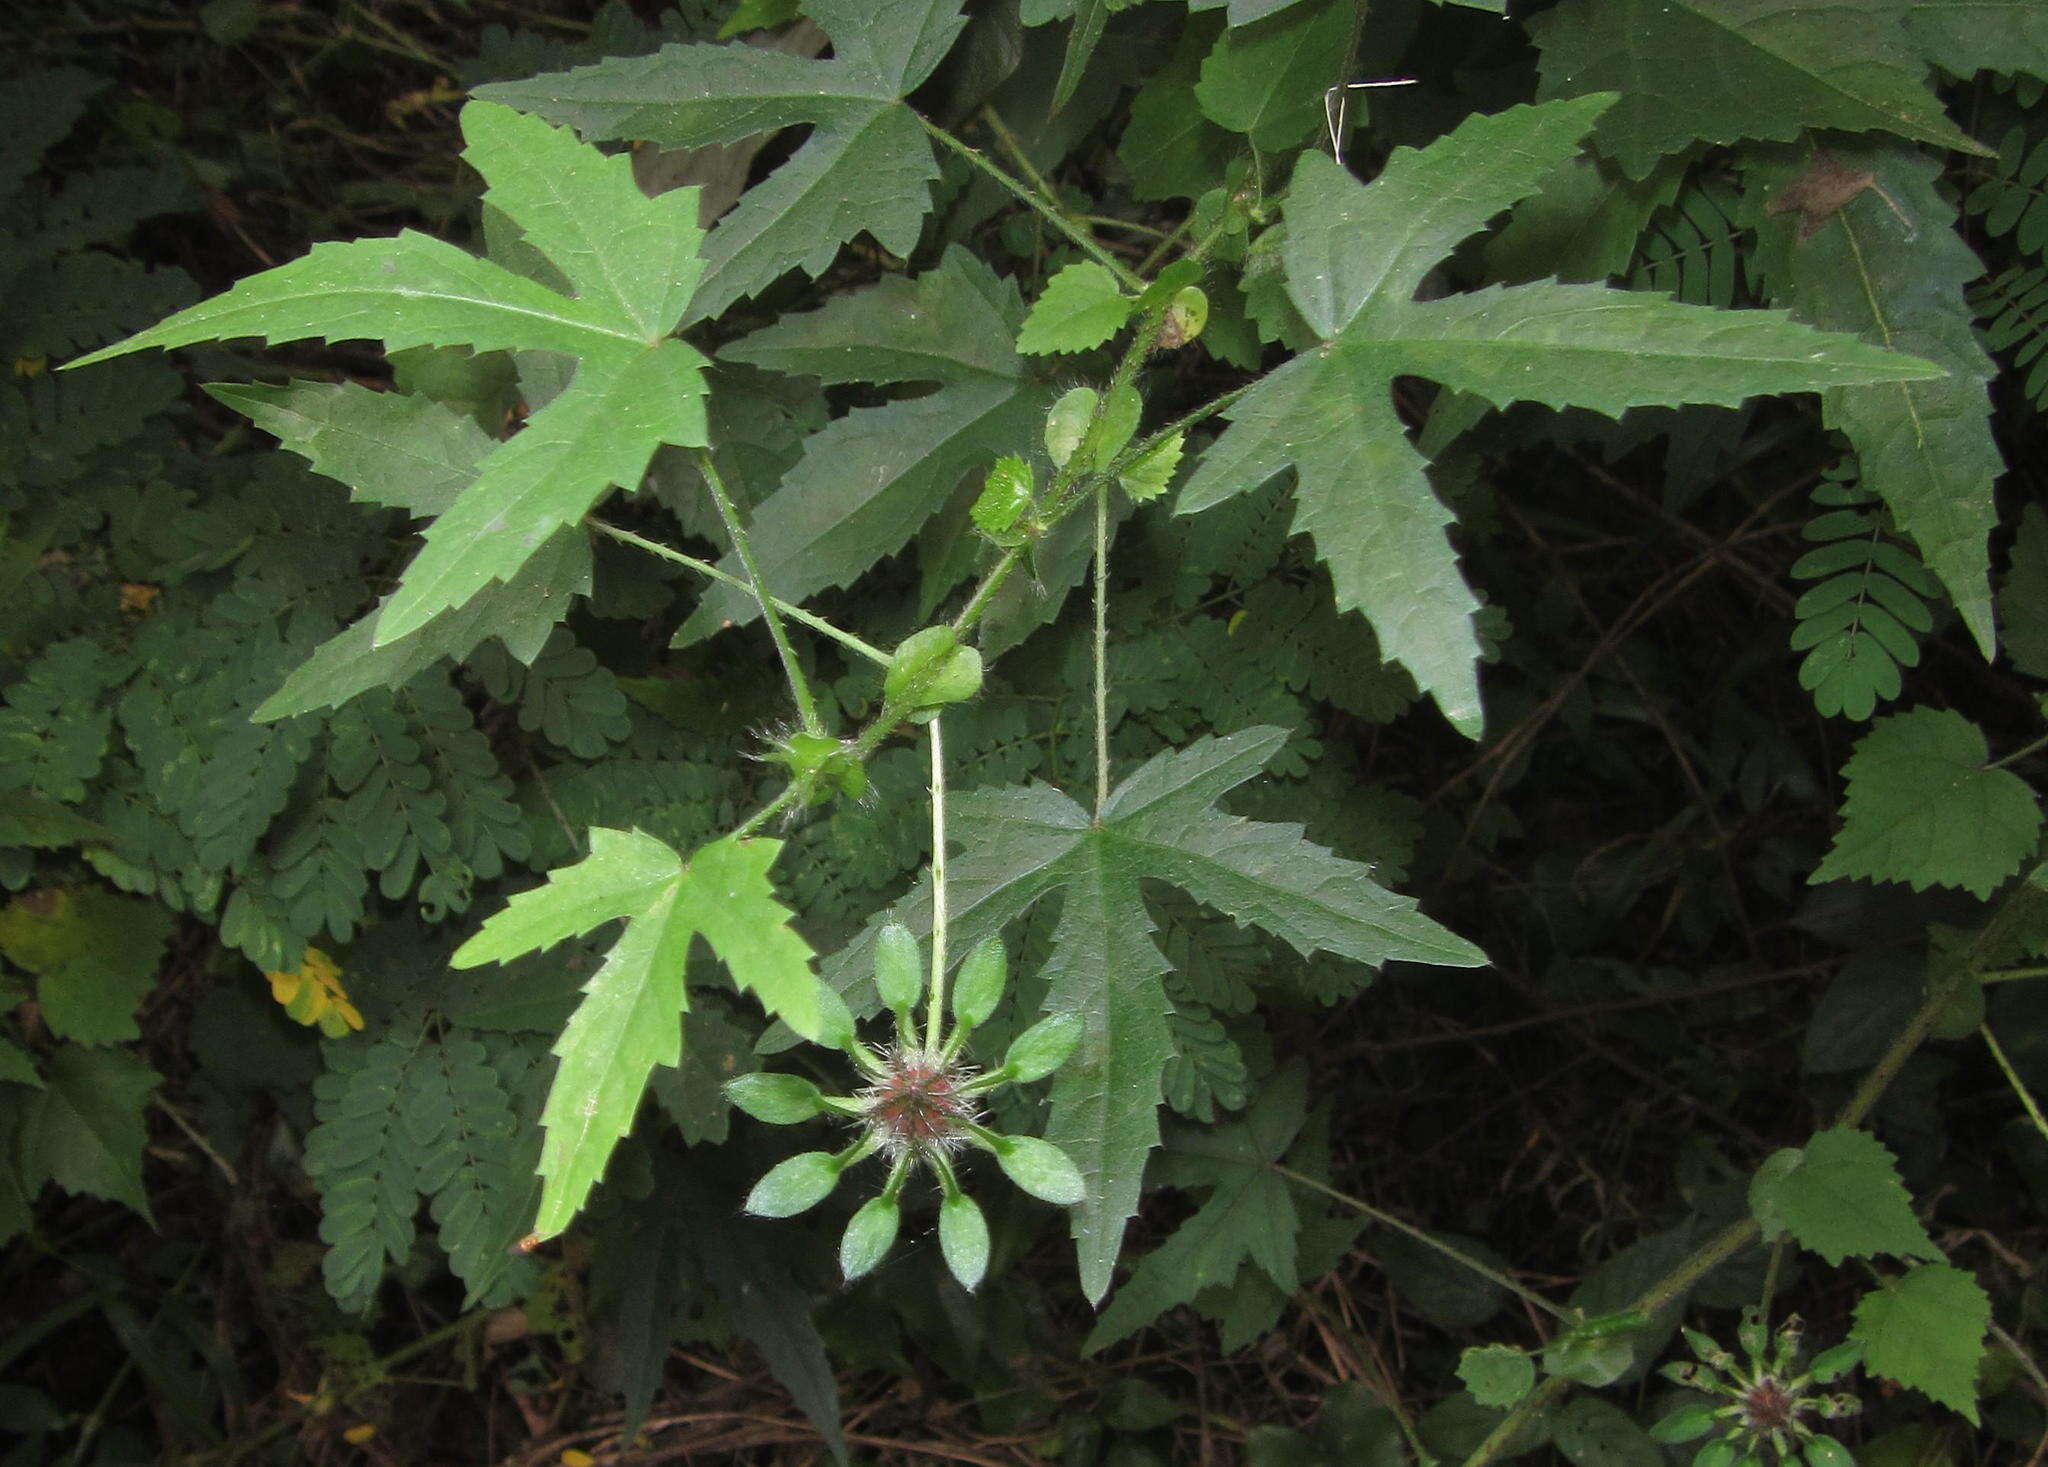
(630, 1018)
(1729, 70)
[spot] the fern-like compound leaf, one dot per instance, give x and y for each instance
(631, 261)
(1859, 623)
(1354, 256)
(630, 1019)
(1888, 266)
(474, 1164)
(361, 1157)
(2013, 308)
(1692, 249)
(2013, 200)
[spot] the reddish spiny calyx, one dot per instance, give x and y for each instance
(1766, 1407)
(918, 1104)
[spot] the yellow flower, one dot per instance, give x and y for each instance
(312, 994)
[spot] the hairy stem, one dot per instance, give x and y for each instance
(806, 709)
(1045, 208)
(2012, 1078)
(936, 999)
(1101, 645)
(1456, 1255)
(794, 612)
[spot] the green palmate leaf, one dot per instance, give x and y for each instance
(632, 263)
(867, 164)
(1354, 256)
(1726, 70)
(630, 1017)
(1248, 1217)
(1083, 306)
(84, 1129)
(871, 479)
(599, 432)
(521, 613)
(414, 454)
(1267, 82)
(1888, 266)
(1161, 823)
(1969, 36)
(1839, 1196)
(390, 448)
(1926, 1331)
(1922, 808)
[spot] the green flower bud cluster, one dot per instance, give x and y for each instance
(1767, 1398)
(920, 1107)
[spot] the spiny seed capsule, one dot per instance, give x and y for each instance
(1768, 1407)
(919, 1103)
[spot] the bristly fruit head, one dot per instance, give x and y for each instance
(919, 1104)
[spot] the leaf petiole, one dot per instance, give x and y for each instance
(800, 689)
(794, 612)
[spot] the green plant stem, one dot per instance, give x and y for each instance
(1065, 493)
(1140, 447)
(935, 999)
(1073, 479)
(2010, 975)
(766, 813)
(2012, 1078)
(806, 709)
(2020, 753)
(1456, 1255)
(794, 612)
(1738, 1235)
(1101, 645)
(1770, 1288)
(1166, 242)
(1050, 212)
